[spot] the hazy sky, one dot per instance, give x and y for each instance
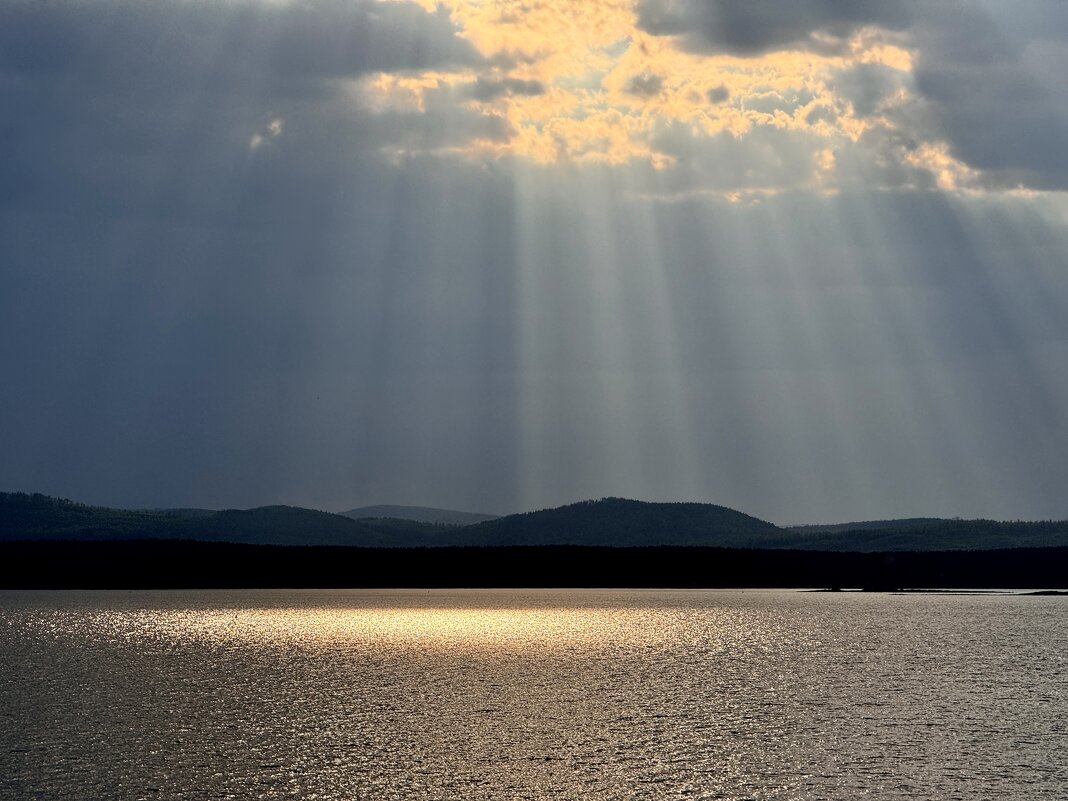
(806, 259)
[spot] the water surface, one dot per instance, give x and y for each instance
(532, 695)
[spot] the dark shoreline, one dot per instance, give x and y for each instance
(164, 564)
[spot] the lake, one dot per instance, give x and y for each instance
(411, 694)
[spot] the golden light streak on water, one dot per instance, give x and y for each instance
(601, 695)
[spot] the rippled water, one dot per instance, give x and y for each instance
(546, 694)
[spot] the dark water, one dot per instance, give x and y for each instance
(547, 694)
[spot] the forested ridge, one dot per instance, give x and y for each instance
(608, 522)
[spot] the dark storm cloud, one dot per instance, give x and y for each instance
(150, 108)
(1004, 122)
(987, 73)
(216, 284)
(124, 40)
(999, 100)
(753, 27)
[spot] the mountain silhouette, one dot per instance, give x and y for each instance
(609, 522)
(618, 522)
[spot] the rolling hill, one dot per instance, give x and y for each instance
(39, 517)
(609, 522)
(618, 522)
(931, 534)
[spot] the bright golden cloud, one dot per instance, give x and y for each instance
(594, 87)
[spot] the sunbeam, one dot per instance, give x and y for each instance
(808, 262)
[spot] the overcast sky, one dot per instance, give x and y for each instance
(808, 260)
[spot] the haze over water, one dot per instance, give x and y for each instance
(531, 694)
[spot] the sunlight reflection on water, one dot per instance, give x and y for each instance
(541, 694)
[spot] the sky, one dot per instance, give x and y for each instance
(808, 260)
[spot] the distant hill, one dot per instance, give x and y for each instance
(870, 525)
(931, 534)
(25, 516)
(610, 522)
(616, 522)
(280, 525)
(420, 514)
(624, 523)
(39, 517)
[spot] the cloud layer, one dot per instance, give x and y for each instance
(755, 27)
(896, 94)
(981, 81)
